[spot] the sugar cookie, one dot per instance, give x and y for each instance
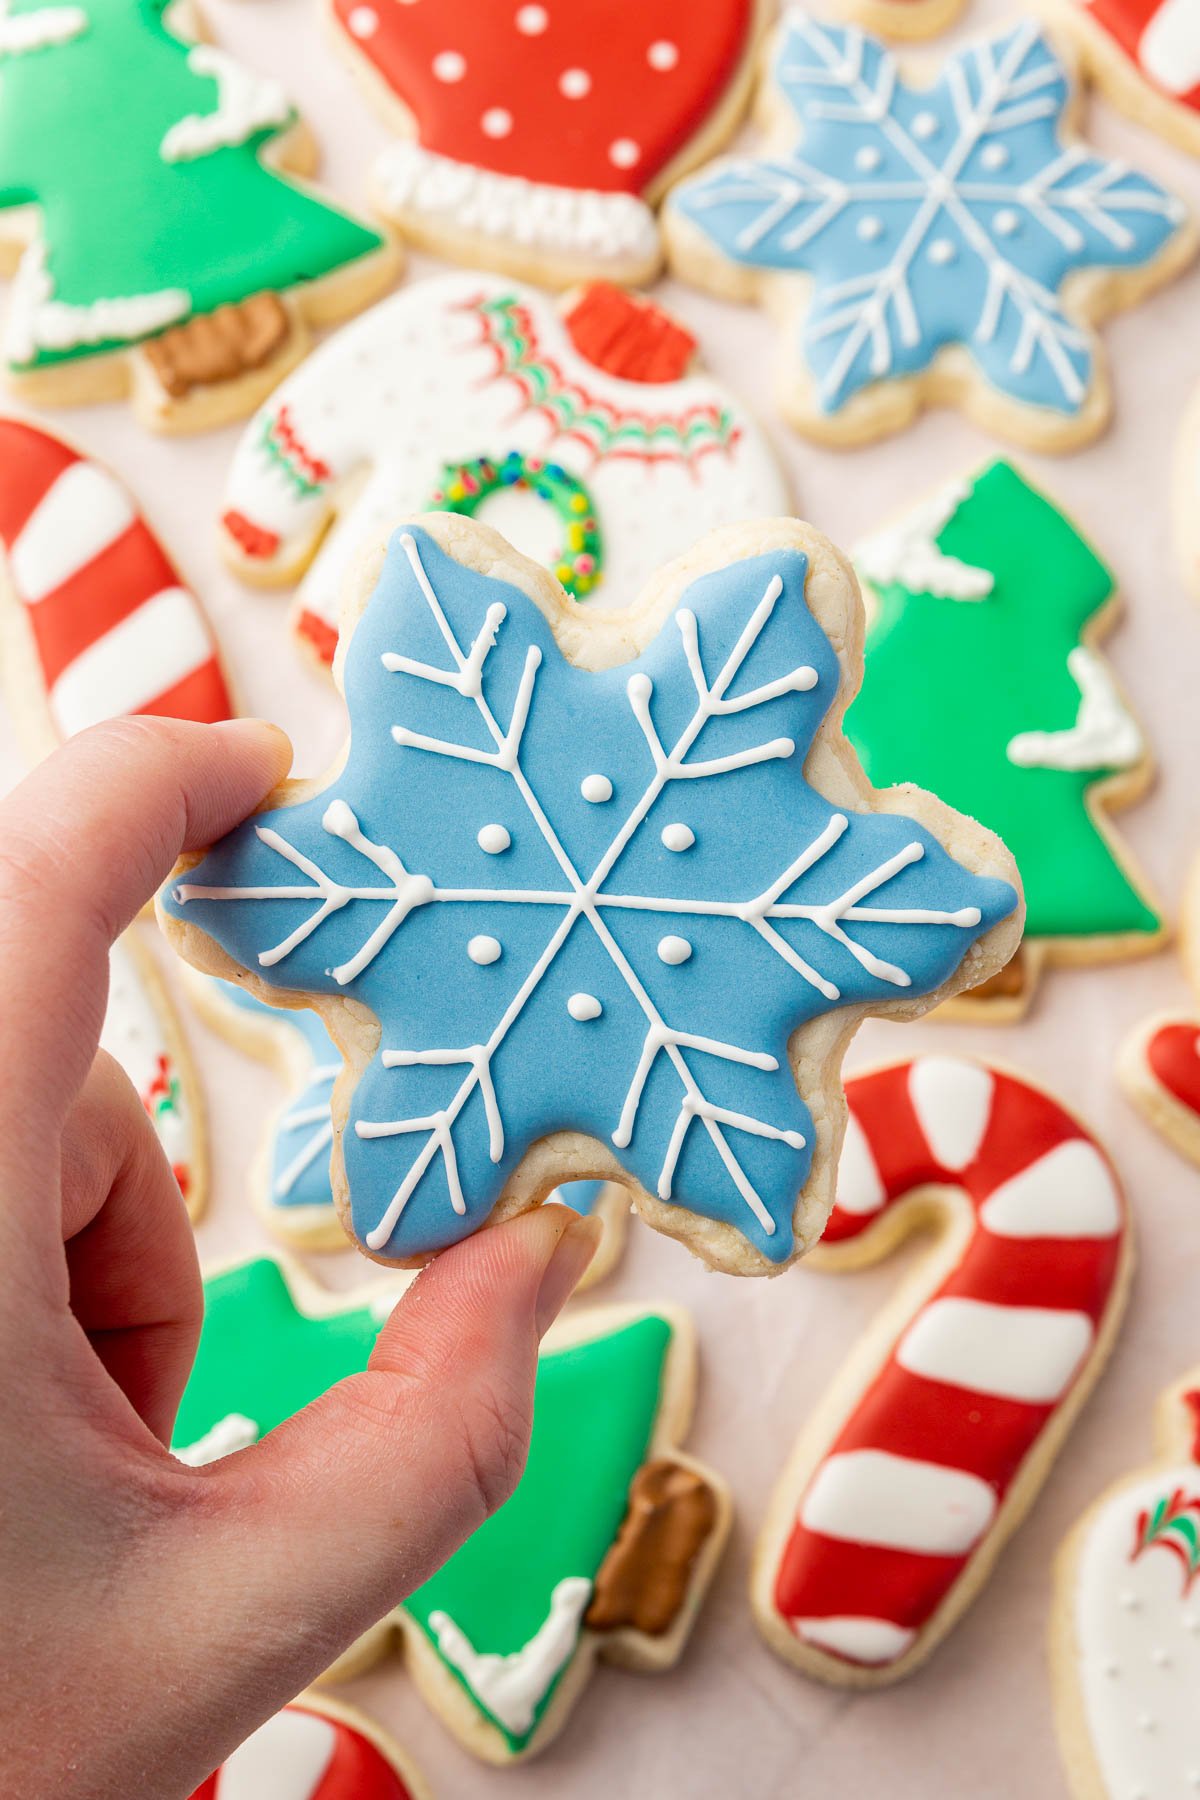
(988, 574)
(316, 1749)
(142, 1031)
(166, 256)
(952, 244)
(605, 1549)
(583, 430)
(538, 139)
(1145, 54)
(1158, 1064)
(1125, 1634)
(94, 618)
(921, 1460)
(716, 972)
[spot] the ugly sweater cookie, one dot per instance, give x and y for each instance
(537, 139)
(987, 574)
(604, 1550)
(1125, 1635)
(599, 912)
(954, 243)
(584, 431)
(921, 1460)
(95, 620)
(172, 258)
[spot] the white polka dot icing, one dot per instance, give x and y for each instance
(623, 153)
(363, 21)
(674, 950)
(532, 20)
(449, 65)
(484, 950)
(583, 1007)
(575, 84)
(662, 55)
(494, 839)
(596, 788)
(496, 122)
(678, 837)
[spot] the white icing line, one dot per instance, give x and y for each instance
(1105, 734)
(246, 103)
(512, 1686)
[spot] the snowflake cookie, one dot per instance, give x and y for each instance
(956, 242)
(605, 1549)
(597, 895)
(316, 1749)
(987, 573)
(1125, 1634)
(1145, 54)
(583, 430)
(537, 139)
(170, 259)
(921, 1461)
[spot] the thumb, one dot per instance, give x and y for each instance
(309, 1538)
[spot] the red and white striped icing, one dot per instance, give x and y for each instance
(914, 1481)
(305, 1755)
(1162, 37)
(115, 630)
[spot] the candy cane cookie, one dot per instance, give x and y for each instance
(1125, 1632)
(1158, 1064)
(316, 1749)
(585, 430)
(289, 1180)
(142, 1031)
(95, 620)
(921, 1460)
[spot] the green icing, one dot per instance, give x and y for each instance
(81, 128)
(594, 1412)
(949, 683)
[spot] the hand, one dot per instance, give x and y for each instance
(153, 1615)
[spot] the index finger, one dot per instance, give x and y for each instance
(85, 840)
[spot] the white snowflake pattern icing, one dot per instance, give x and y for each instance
(997, 87)
(1105, 734)
(907, 552)
(404, 890)
(511, 1686)
(246, 103)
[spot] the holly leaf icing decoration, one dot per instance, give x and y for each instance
(930, 217)
(579, 899)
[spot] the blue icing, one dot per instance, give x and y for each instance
(302, 1134)
(404, 953)
(899, 273)
(580, 1196)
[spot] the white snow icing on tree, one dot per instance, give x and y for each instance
(962, 201)
(592, 897)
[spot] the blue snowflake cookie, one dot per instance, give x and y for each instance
(610, 902)
(939, 234)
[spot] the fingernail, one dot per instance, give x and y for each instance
(571, 1256)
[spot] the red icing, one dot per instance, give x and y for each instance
(1191, 1401)
(356, 1771)
(1125, 21)
(95, 597)
(628, 337)
(254, 540)
(1173, 1057)
(485, 84)
(319, 633)
(911, 1415)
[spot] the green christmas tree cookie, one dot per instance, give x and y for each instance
(169, 253)
(605, 1548)
(984, 685)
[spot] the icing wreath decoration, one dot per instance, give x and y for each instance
(613, 931)
(465, 486)
(929, 219)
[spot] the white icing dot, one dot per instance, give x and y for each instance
(867, 159)
(494, 839)
(363, 21)
(662, 54)
(942, 251)
(532, 20)
(496, 122)
(584, 1007)
(450, 65)
(573, 84)
(484, 950)
(674, 950)
(1007, 222)
(925, 125)
(870, 228)
(678, 837)
(623, 153)
(994, 156)
(596, 788)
